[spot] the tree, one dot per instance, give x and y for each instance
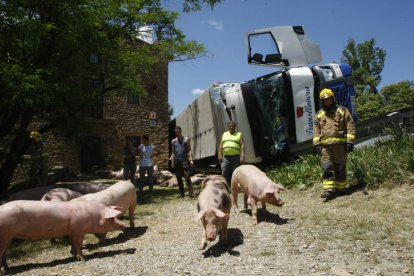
(398, 95)
(48, 47)
(367, 62)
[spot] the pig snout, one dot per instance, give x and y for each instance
(211, 236)
(117, 224)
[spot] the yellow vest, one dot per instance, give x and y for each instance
(231, 143)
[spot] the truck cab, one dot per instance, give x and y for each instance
(274, 112)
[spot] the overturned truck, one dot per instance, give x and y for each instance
(274, 112)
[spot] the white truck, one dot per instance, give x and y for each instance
(274, 112)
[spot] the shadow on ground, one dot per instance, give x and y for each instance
(266, 216)
(235, 238)
(97, 255)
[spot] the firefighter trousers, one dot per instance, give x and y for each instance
(333, 162)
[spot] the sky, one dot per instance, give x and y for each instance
(330, 24)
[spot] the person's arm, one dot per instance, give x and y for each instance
(190, 153)
(220, 151)
(172, 158)
(242, 152)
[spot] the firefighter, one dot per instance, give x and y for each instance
(39, 158)
(333, 138)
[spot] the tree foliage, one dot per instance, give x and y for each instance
(398, 95)
(367, 63)
(46, 67)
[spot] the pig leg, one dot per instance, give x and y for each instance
(263, 206)
(76, 250)
(203, 240)
(245, 200)
(223, 232)
(3, 249)
(101, 237)
(253, 205)
(131, 216)
(234, 195)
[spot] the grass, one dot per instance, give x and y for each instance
(384, 164)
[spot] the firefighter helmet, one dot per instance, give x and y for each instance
(35, 135)
(326, 93)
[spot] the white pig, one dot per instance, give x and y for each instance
(122, 193)
(36, 220)
(60, 194)
(214, 205)
(256, 187)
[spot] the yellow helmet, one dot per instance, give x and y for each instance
(35, 135)
(326, 93)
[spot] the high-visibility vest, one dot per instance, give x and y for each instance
(231, 143)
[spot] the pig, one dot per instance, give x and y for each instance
(214, 205)
(256, 187)
(60, 194)
(122, 193)
(36, 220)
(31, 194)
(85, 187)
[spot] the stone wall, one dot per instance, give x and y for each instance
(120, 121)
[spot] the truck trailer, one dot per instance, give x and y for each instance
(274, 112)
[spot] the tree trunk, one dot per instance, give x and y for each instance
(18, 148)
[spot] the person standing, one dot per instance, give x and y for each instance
(130, 163)
(39, 159)
(182, 161)
(146, 165)
(333, 138)
(231, 151)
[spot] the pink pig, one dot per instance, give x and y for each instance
(31, 194)
(36, 220)
(122, 193)
(214, 206)
(256, 187)
(60, 194)
(85, 187)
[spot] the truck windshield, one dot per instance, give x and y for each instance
(269, 93)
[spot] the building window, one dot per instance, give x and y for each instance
(93, 110)
(94, 59)
(133, 98)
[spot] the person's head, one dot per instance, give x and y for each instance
(35, 136)
(177, 131)
(327, 97)
(145, 138)
(231, 125)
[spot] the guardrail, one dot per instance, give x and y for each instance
(397, 119)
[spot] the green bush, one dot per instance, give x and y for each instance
(388, 162)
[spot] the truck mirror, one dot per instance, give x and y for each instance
(258, 58)
(273, 58)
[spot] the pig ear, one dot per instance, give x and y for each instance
(112, 212)
(199, 215)
(219, 213)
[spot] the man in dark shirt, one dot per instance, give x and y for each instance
(182, 160)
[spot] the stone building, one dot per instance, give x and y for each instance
(119, 118)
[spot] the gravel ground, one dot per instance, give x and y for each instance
(351, 235)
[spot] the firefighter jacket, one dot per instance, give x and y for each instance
(334, 127)
(231, 143)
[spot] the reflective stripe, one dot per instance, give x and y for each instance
(321, 114)
(316, 140)
(330, 140)
(340, 184)
(328, 184)
(231, 143)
